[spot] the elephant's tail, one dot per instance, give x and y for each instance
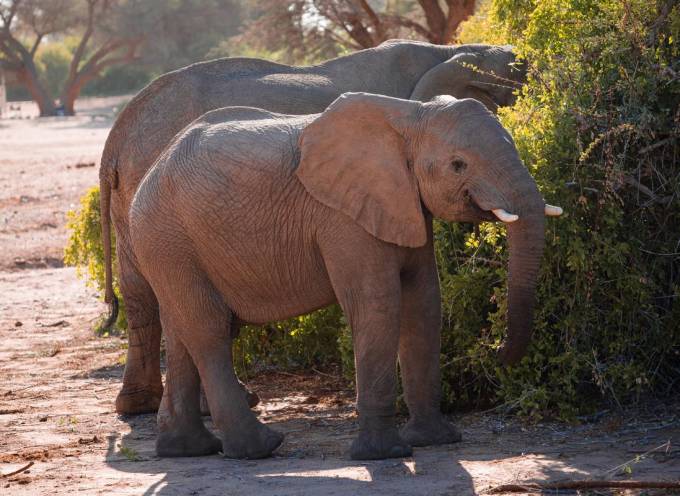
(107, 182)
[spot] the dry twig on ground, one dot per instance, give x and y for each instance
(18, 471)
(582, 485)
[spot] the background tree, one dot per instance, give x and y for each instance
(27, 23)
(314, 29)
(183, 32)
(57, 47)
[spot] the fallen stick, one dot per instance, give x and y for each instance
(18, 471)
(583, 484)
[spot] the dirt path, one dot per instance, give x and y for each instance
(58, 382)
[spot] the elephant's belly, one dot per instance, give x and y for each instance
(261, 288)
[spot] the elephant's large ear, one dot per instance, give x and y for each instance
(354, 159)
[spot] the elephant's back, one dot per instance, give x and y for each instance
(227, 190)
(227, 159)
(171, 102)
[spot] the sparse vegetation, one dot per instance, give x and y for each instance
(130, 454)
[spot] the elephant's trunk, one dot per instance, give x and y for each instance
(443, 79)
(526, 239)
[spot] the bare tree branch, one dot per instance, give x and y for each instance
(34, 48)
(351, 24)
(9, 17)
(80, 50)
(395, 20)
(434, 16)
(375, 20)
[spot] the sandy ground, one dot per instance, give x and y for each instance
(58, 381)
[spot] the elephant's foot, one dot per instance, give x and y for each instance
(251, 398)
(138, 401)
(192, 442)
(430, 431)
(257, 442)
(376, 444)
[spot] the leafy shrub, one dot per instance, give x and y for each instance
(119, 80)
(598, 125)
(84, 249)
(299, 343)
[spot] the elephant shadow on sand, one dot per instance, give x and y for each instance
(315, 461)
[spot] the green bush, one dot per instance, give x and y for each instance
(598, 126)
(304, 342)
(119, 80)
(84, 249)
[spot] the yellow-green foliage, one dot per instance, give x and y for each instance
(483, 27)
(598, 125)
(298, 343)
(52, 61)
(84, 249)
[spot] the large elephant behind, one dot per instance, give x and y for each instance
(403, 69)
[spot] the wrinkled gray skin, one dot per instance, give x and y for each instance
(252, 216)
(403, 69)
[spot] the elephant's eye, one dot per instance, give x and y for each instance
(458, 166)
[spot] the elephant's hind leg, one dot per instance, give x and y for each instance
(181, 431)
(202, 322)
(251, 397)
(142, 386)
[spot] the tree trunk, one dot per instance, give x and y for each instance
(69, 95)
(29, 76)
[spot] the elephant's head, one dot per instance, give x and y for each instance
(380, 160)
(488, 73)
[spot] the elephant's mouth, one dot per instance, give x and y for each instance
(484, 215)
(476, 212)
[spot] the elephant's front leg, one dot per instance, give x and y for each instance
(371, 300)
(419, 347)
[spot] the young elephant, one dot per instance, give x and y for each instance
(398, 68)
(251, 216)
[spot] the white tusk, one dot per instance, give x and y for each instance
(553, 211)
(504, 216)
